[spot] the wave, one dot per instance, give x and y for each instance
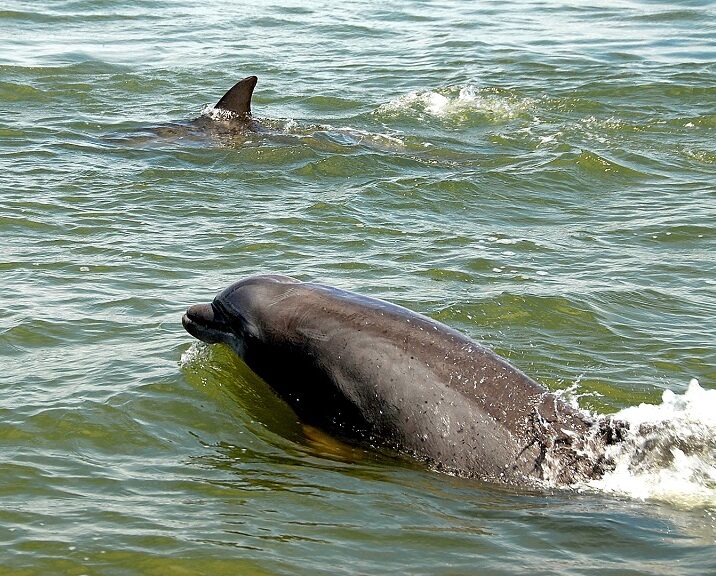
(459, 104)
(668, 452)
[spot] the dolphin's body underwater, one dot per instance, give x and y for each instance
(367, 370)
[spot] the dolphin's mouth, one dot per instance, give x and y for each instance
(207, 323)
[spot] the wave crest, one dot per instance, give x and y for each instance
(459, 103)
(669, 451)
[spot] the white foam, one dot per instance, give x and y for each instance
(455, 102)
(669, 452)
(573, 393)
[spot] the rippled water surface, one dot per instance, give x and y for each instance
(538, 175)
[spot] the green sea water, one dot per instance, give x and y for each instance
(538, 175)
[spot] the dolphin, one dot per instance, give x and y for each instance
(229, 120)
(231, 115)
(370, 371)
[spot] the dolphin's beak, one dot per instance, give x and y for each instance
(205, 322)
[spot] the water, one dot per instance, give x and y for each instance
(538, 175)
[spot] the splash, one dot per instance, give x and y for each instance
(458, 103)
(669, 452)
(196, 354)
(218, 114)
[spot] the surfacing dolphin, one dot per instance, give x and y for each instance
(228, 121)
(232, 113)
(367, 370)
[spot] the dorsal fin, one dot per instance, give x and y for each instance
(238, 98)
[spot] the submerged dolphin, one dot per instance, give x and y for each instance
(365, 369)
(229, 119)
(230, 122)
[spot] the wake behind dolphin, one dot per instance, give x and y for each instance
(364, 369)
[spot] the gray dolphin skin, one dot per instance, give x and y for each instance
(234, 118)
(238, 99)
(370, 371)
